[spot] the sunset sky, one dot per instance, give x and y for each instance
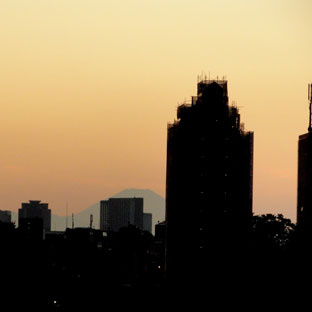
(87, 88)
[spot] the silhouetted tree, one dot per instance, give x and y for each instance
(272, 232)
(273, 255)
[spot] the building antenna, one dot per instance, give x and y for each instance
(66, 215)
(91, 220)
(310, 106)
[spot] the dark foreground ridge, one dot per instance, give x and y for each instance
(83, 267)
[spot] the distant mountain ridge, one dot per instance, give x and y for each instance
(153, 203)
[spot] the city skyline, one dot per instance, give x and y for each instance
(87, 90)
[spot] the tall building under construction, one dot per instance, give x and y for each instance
(208, 181)
(304, 194)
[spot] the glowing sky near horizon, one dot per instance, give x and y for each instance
(87, 89)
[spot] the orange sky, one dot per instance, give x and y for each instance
(87, 89)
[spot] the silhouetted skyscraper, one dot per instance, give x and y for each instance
(36, 210)
(209, 180)
(304, 194)
(116, 213)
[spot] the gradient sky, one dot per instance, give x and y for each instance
(87, 88)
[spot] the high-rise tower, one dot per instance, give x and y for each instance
(35, 210)
(209, 181)
(304, 199)
(116, 213)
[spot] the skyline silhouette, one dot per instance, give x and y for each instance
(94, 101)
(153, 203)
(210, 237)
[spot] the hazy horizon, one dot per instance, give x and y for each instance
(69, 212)
(88, 87)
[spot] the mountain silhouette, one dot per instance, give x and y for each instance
(153, 203)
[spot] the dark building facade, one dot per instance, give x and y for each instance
(31, 229)
(116, 213)
(304, 192)
(5, 216)
(304, 200)
(208, 180)
(35, 210)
